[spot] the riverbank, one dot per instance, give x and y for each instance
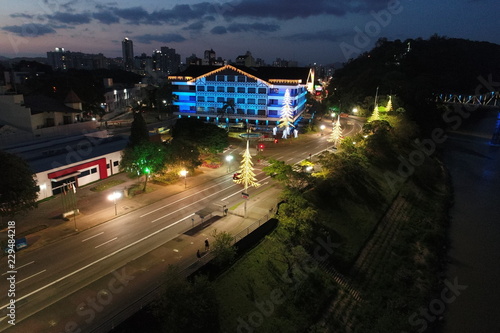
(474, 232)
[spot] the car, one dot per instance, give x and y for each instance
(237, 176)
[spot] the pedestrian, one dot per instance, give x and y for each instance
(207, 245)
(198, 254)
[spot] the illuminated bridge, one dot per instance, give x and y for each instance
(490, 99)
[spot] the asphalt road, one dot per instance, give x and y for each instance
(62, 268)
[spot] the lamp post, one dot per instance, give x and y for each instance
(113, 197)
(184, 173)
(229, 158)
(322, 128)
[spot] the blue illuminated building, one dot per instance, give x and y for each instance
(236, 93)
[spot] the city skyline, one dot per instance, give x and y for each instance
(323, 33)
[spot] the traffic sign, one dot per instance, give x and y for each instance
(244, 195)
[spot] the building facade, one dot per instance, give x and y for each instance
(233, 94)
(128, 54)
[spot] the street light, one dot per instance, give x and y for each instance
(229, 158)
(113, 197)
(184, 173)
(322, 127)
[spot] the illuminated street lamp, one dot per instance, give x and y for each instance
(184, 173)
(113, 197)
(229, 158)
(355, 110)
(322, 127)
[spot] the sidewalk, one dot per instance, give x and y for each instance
(45, 224)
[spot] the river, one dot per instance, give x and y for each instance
(474, 230)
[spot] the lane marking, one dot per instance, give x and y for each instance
(105, 242)
(184, 198)
(20, 267)
(243, 189)
(29, 277)
(86, 239)
(93, 263)
(171, 213)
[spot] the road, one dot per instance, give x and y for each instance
(62, 268)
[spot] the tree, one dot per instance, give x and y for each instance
(375, 115)
(207, 137)
(286, 114)
(138, 132)
(389, 104)
(247, 177)
(18, 188)
(144, 159)
(285, 173)
(187, 307)
(222, 247)
(336, 133)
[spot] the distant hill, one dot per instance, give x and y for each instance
(416, 69)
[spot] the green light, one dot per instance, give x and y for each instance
(147, 170)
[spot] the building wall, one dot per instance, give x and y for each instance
(13, 112)
(254, 100)
(90, 170)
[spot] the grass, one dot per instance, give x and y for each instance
(104, 185)
(257, 287)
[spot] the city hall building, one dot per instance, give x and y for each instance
(235, 94)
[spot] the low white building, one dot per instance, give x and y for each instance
(79, 160)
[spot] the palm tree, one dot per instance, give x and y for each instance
(229, 104)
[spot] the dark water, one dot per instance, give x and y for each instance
(475, 228)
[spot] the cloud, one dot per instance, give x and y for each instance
(219, 30)
(324, 35)
(197, 26)
(29, 30)
(165, 38)
(134, 15)
(106, 17)
(259, 27)
(69, 18)
(22, 15)
(286, 9)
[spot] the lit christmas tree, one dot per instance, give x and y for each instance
(286, 113)
(336, 133)
(389, 104)
(247, 176)
(375, 114)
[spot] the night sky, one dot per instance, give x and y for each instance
(314, 31)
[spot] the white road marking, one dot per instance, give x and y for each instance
(171, 213)
(171, 203)
(93, 263)
(106, 242)
(29, 277)
(20, 267)
(86, 239)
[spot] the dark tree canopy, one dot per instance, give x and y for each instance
(139, 131)
(208, 137)
(145, 158)
(18, 189)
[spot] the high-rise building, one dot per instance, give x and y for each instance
(128, 53)
(57, 59)
(209, 57)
